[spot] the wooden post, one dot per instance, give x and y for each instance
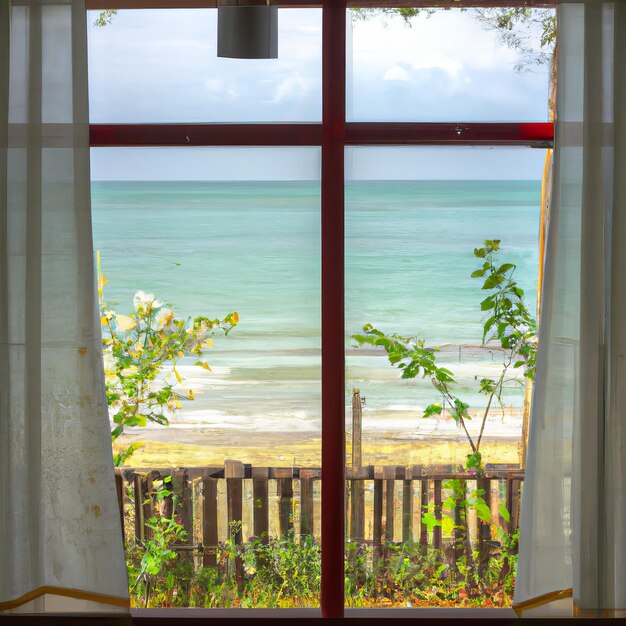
(407, 508)
(210, 537)
(139, 496)
(234, 473)
(181, 485)
(484, 528)
(516, 484)
(523, 445)
(119, 489)
(285, 503)
(378, 518)
(166, 506)
(306, 504)
(148, 504)
(260, 503)
(509, 504)
(357, 428)
(495, 503)
(357, 487)
(423, 509)
(390, 484)
(437, 535)
(460, 521)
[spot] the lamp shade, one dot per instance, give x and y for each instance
(247, 32)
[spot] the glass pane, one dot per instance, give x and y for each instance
(210, 232)
(162, 66)
(414, 217)
(445, 65)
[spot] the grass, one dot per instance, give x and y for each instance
(285, 572)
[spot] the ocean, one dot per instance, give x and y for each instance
(210, 248)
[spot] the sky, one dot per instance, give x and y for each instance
(161, 66)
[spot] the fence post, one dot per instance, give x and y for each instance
(390, 484)
(357, 487)
(285, 504)
(209, 522)
(306, 503)
(119, 489)
(378, 518)
(513, 498)
(484, 528)
(180, 483)
(423, 509)
(437, 533)
(143, 506)
(260, 476)
(234, 473)
(460, 521)
(407, 507)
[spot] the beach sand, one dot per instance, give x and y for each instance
(195, 445)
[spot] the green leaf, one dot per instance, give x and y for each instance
(474, 460)
(482, 510)
(447, 525)
(492, 281)
(505, 268)
(488, 303)
(444, 375)
(488, 325)
(432, 409)
(477, 274)
(504, 512)
(430, 521)
(449, 503)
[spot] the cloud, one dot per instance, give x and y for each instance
(292, 88)
(437, 60)
(397, 73)
(214, 85)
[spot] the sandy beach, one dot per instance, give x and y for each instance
(423, 441)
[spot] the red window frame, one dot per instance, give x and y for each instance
(332, 135)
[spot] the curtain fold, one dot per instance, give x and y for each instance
(572, 532)
(60, 537)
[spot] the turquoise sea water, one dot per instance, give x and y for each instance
(211, 248)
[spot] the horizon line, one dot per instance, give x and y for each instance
(310, 180)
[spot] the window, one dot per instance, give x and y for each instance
(184, 127)
(414, 216)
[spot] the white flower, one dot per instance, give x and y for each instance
(164, 317)
(146, 300)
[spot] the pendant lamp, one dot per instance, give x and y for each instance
(247, 31)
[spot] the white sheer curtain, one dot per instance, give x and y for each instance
(573, 521)
(60, 537)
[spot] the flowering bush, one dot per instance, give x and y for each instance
(137, 347)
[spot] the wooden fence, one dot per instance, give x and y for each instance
(384, 504)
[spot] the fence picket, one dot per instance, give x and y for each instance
(285, 505)
(407, 510)
(209, 522)
(384, 505)
(306, 506)
(437, 534)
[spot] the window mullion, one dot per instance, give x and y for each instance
(333, 360)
